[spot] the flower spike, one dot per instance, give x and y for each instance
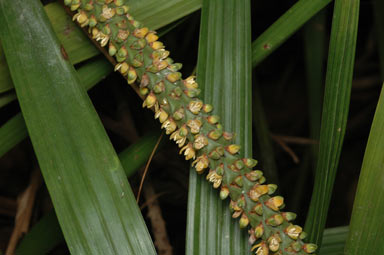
(190, 122)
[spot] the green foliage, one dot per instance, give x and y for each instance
(338, 85)
(224, 85)
(224, 66)
(366, 234)
(93, 200)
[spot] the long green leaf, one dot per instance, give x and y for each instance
(46, 234)
(284, 27)
(92, 198)
(157, 13)
(335, 111)
(224, 74)
(14, 131)
(366, 234)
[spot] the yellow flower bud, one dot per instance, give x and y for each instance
(150, 101)
(194, 125)
(201, 163)
(151, 37)
(157, 45)
(275, 202)
(215, 179)
(169, 126)
(195, 106)
(189, 152)
(140, 32)
(233, 148)
(244, 221)
(293, 231)
(161, 115)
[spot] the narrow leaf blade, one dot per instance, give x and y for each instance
(94, 203)
(224, 74)
(335, 111)
(366, 234)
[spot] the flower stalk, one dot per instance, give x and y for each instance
(142, 59)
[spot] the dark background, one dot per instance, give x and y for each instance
(281, 80)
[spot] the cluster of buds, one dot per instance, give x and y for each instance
(190, 123)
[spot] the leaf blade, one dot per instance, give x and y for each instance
(366, 232)
(335, 111)
(87, 184)
(224, 74)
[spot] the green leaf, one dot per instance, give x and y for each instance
(224, 74)
(158, 13)
(335, 111)
(284, 27)
(366, 234)
(91, 195)
(14, 131)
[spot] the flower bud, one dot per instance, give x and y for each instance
(151, 37)
(224, 192)
(233, 148)
(275, 220)
(140, 32)
(157, 45)
(293, 231)
(189, 152)
(275, 202)
(309, 247)
(244, 221)
(213, 119)
(161, 115)
(150, 100)
(289, 216)
(173, 77)
(254, 175)
(271, 188)
(132, 75)
(259, 231)
(179, 114)
(111, 49)
(195, 106)
(249, 162)
(207, 108)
